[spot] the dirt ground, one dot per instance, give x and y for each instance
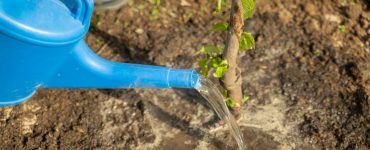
(308, 82)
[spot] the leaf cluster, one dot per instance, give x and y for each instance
(213, 60)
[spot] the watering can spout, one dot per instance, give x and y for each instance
(84, 69)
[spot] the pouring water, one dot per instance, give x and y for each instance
(214, 97)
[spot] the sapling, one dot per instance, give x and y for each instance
(223, 59)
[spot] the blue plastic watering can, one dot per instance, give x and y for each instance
(41, 46)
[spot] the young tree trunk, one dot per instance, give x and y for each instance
(232, 79)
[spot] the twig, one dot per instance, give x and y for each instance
(101, 49)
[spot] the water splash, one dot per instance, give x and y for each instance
(212, 94)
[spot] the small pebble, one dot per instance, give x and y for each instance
(139, 31)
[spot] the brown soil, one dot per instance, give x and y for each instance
(309, 83)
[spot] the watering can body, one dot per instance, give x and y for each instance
(41, 46)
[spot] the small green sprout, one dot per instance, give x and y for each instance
(187, 16)
(219, 6)
(317, 52)
(245, 99)
(154, 14)
(229, 102)
(342, 28)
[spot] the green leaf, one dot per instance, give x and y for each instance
(216, 62)
(248, 7)
(245, 99)
(203, 63)
(210, 49)
(220, 71)
(220, 65)
(247, 41)
(230, 103)
(221, 26)
(219, 5)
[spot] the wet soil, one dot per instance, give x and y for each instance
(308, 82)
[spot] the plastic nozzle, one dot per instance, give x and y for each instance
(178, 78)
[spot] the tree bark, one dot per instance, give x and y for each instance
(232, 81)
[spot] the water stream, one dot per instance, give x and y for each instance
(212, 94)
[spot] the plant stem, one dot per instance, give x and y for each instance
(232, 79)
